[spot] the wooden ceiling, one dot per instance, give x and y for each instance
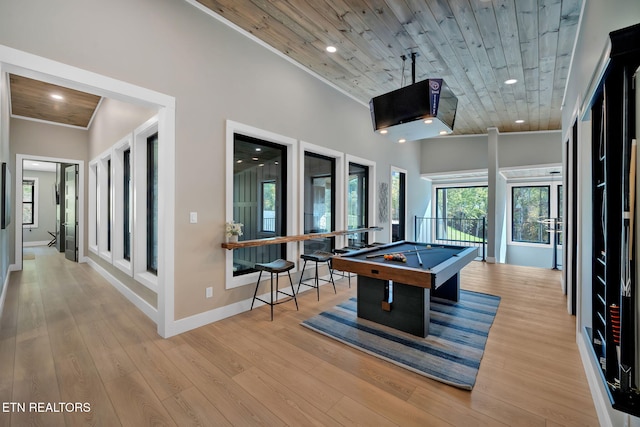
(474, 45)
(33, 99)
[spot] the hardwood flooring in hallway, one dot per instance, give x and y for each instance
(66, 335)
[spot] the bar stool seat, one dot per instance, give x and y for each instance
(275, 267)
(317, 257)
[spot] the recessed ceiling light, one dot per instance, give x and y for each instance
(510, 81)
(254, 158)
(428, 121)
(519, 121)
(384, 131)
(331, 49)
(443, 132)
(402, 140)
(258, 149)
(261, 164)
(238, 161)
(57, 97)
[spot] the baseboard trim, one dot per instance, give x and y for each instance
(141, 304)
(31, 244)
(600, 400)
(491, 259)
(201, 319)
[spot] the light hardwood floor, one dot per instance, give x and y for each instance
(67, 336)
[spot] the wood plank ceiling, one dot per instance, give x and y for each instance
(474, 45)
(34, 99)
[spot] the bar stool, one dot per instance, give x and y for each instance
(317, 257)
(278, 266)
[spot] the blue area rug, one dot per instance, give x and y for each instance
(451, 353)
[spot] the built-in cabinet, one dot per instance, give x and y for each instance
(614, 325)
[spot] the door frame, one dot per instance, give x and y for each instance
(18, 202)
(50, 71)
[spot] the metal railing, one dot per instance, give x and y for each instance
(453, 231)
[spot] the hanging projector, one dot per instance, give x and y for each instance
(421, 110)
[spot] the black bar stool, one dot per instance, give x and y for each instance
(278, 266)
(317, 257)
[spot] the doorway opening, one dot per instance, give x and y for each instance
(50, 203)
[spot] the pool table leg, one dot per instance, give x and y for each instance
(449, 290)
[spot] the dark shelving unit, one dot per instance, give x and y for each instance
(613, 129)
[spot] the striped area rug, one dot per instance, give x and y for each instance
(451, 353)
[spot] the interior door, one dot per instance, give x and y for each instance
(70, 209)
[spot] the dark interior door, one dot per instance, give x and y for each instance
(70, 209)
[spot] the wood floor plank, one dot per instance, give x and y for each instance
(281, 367)
(237, 406)
(35, 381)
(375, 399)
(136, 404)
(366, 367)
(348, 412)
(450, 411)
(159, 372)
(285, 403)
(110, 358)
(191, 408)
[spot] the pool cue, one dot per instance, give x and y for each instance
(418, 253)
(401, 252)
(627, 347)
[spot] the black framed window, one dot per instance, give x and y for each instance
(268, 206)
(319, 200)
(109, 205)
(358, 202)
(459, 213)
(398, 205)
(126, 205)
(152, 204)
(28, 201)
(530, 205)
(559, 216)
(259, 199)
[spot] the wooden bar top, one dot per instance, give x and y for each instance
(296, 238)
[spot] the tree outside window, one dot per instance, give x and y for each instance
(530, 205)
(28, 202)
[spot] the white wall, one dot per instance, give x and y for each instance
(215, 74)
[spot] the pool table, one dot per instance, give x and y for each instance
(396, 293)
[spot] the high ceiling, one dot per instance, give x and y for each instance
(474, 45)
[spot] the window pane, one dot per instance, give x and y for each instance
(28, 202)
(109, 204)
(319, 204)
(126, 160)
(358, 202)
(398, 204)
(560, 214)
(259, 199)
(459, 213)
(27, 213)
(27, 191)
(152, 204)
(269, 206)
(530, 205)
